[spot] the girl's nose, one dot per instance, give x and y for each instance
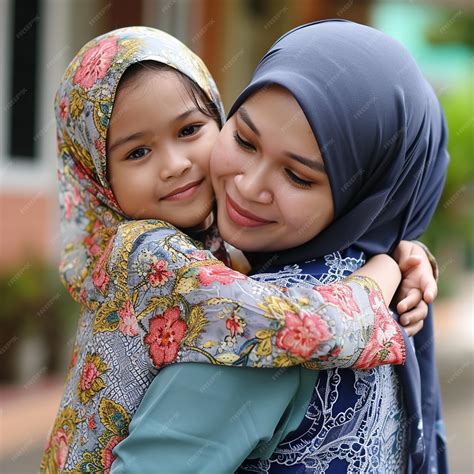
(252, 186)
(173, 165)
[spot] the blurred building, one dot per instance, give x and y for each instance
(40, 37)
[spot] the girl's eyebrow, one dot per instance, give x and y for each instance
(186, 113)
(313, 164)
(126, 139)
(243, 114)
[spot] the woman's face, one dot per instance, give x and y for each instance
(268, 174)
(158, 149)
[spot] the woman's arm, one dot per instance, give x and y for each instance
(191, 308)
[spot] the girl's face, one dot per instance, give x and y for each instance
(268, 174)
(158, 149)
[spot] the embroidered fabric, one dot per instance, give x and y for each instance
(355, 420)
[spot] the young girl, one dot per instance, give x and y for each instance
(356, 421)
(149, 297)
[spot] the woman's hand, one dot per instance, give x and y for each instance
(418, 287)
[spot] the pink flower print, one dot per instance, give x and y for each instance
(128, 324)
(79, 171)
(97, 225)
(89, 374)
(95, 63)
(92, 246)
(100, 146)
(60, 444)
(165, 334)
(377, 303)
(83, 295)
(91, 380)
(109, 194)
(302, 334)
(159, 273)
(100, 278)
(200, 255)
(76, 196)
(340, 295)
(235, 325)
(386, 345)
(91, 422)
(68, 206)
(107, 455)
(218, 273)
(63, 108)
(72, 363)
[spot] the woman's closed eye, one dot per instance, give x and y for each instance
(297, 180)
(138, 153)
(242, 143)
(190, 130)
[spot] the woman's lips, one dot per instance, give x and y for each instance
(242, 217)
(184, 192)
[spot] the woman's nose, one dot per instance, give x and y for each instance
(253, 185)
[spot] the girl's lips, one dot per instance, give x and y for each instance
(184, 192)
(242, 217)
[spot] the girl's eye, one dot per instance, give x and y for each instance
(297, 180)
(138, 153)
(189, 130)
(242, 143)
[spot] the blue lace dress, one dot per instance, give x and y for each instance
(356, 420)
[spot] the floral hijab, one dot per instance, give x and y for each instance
(84, 103)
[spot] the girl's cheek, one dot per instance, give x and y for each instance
(208, 150)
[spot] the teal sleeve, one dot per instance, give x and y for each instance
(203, 418)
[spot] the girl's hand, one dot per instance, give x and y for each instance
(418, 287)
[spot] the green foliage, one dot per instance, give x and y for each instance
(453, 224)
(455, 27)
(34, 301)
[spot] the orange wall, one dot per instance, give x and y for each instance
(26, 228)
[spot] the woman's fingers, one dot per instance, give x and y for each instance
(414, 329)
(409, 262)
(430, 291)
(410, 301)
(415, 315)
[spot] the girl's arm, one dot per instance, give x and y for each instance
(192, 308)
(202, 418)
(385, 271)
(205, 419)
(208, 419)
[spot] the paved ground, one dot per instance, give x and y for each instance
(28, 410)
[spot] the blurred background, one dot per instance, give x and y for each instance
(40, 37)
